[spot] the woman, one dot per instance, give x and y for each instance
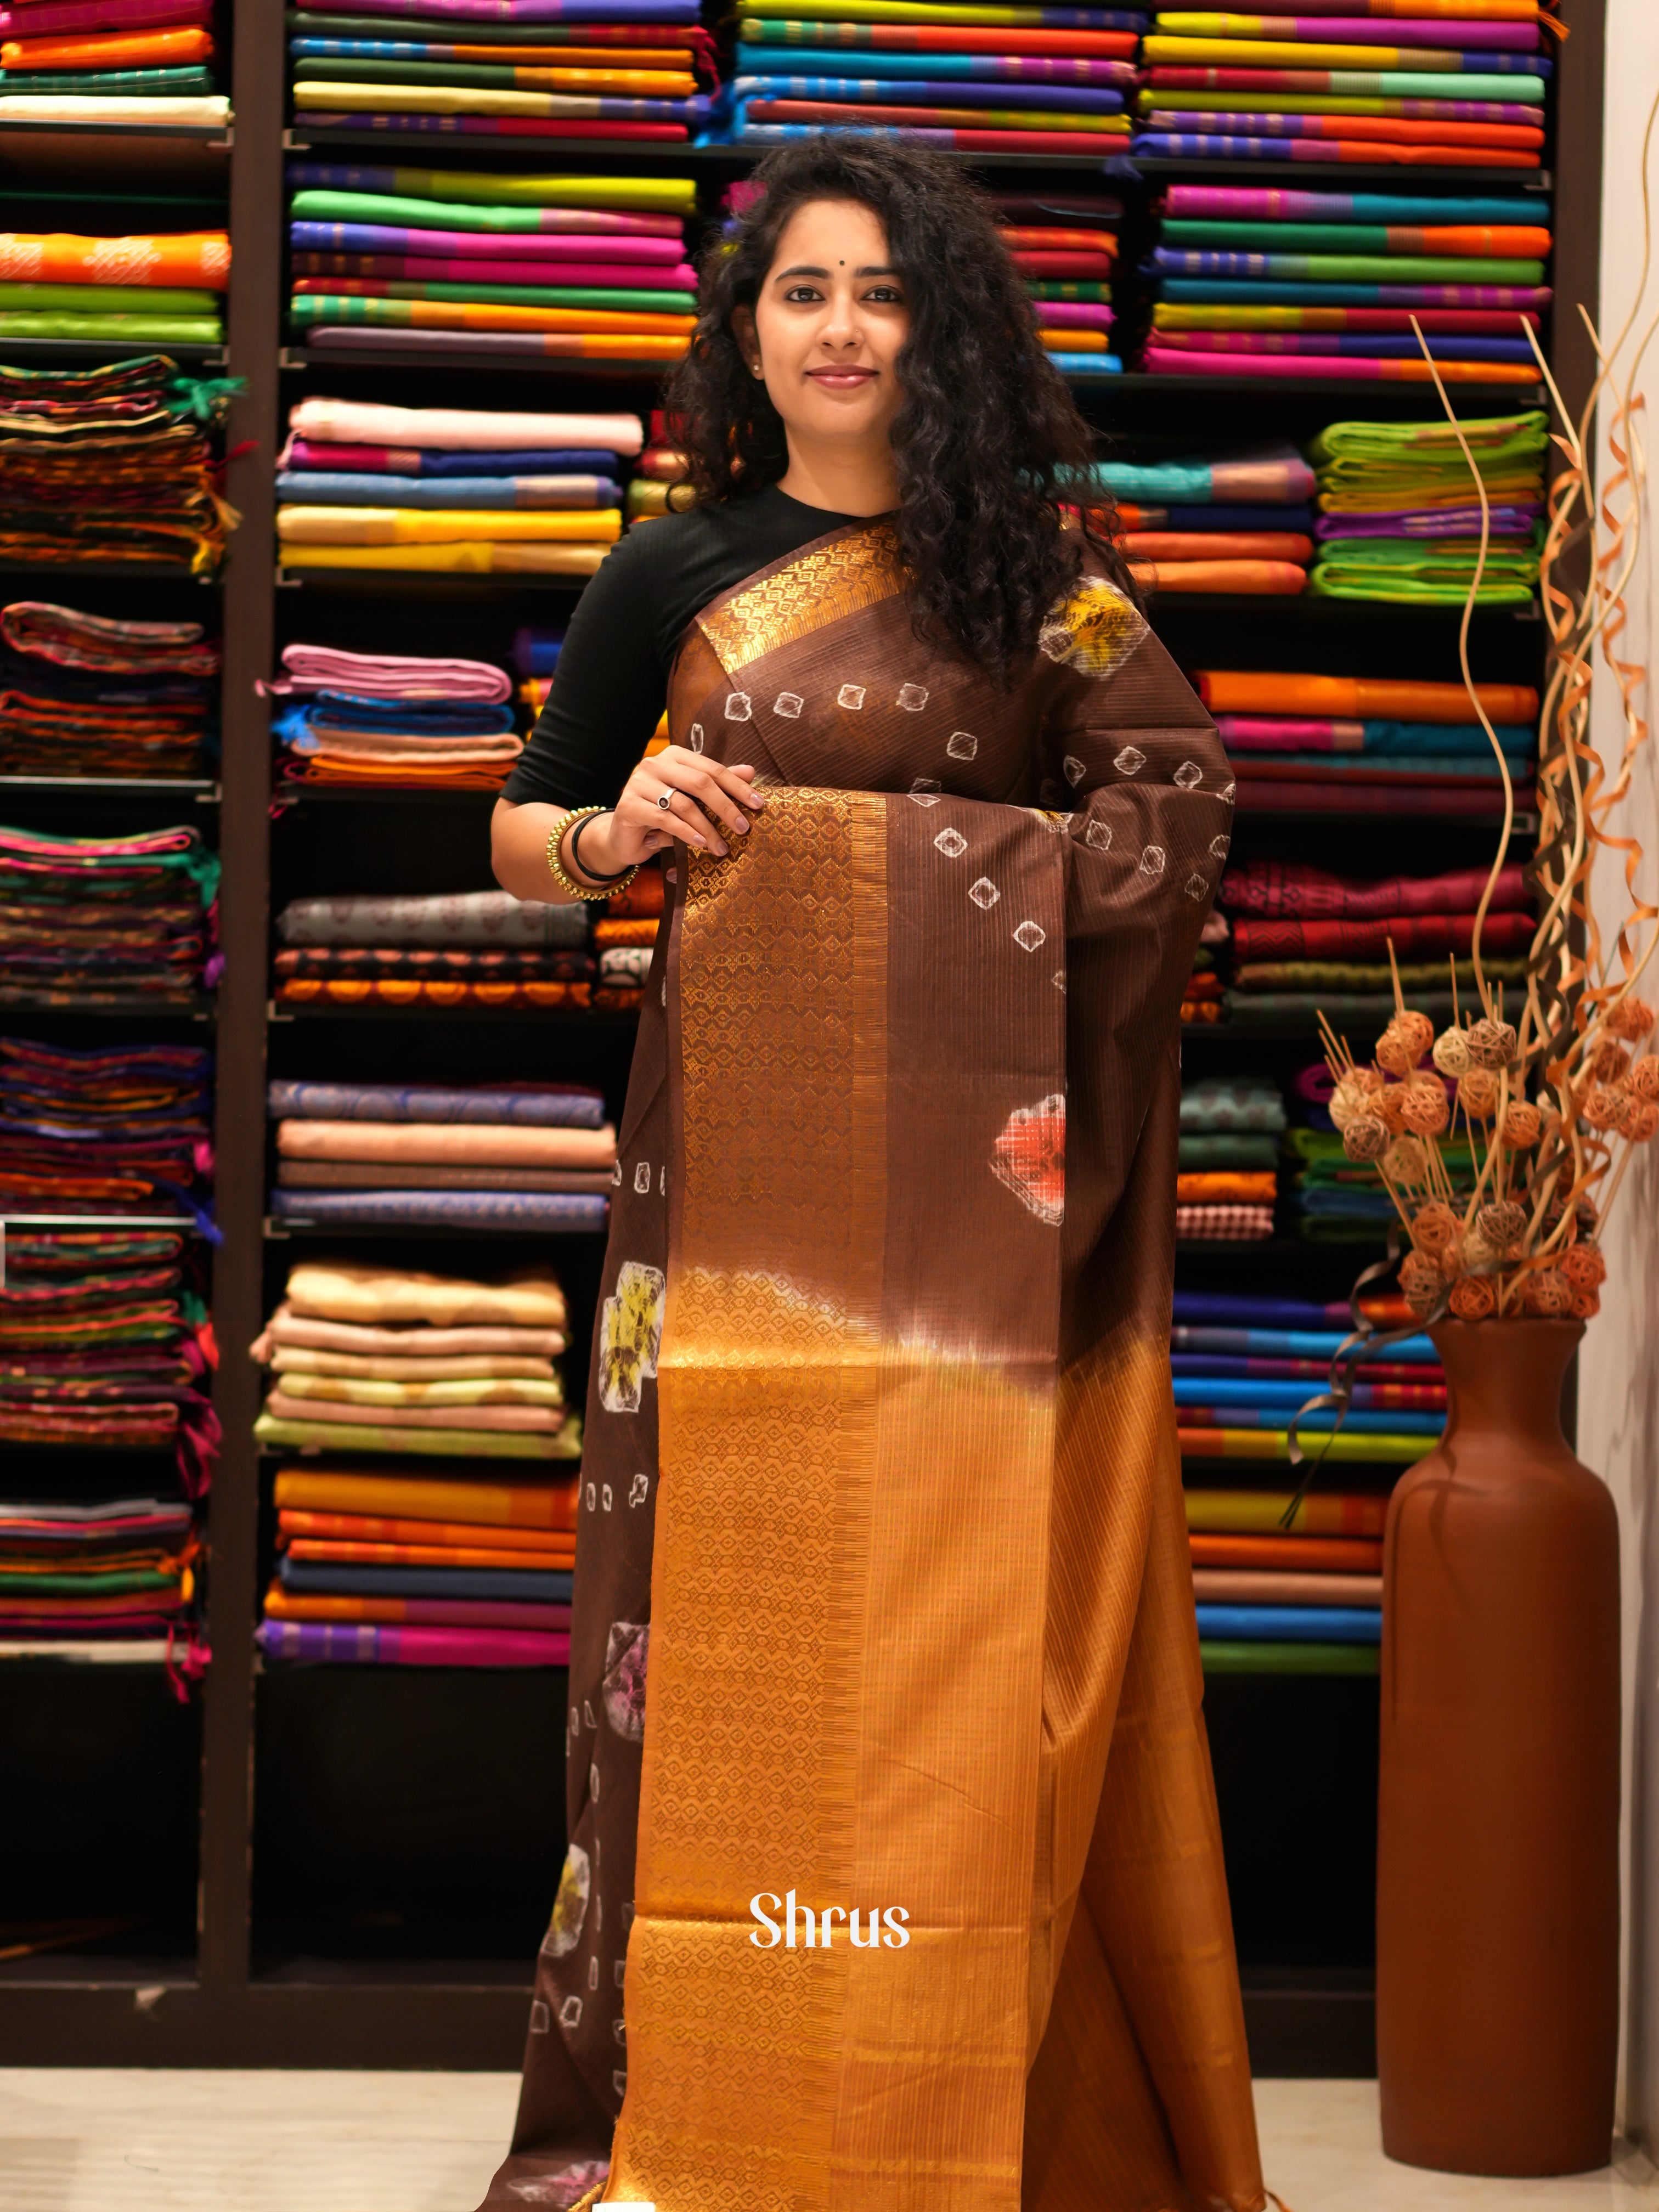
(905, 1829)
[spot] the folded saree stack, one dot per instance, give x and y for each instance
(1245, 1364)
(1066, 245)
(605, 69)
(1331, 1200)
(567, 268)
(467, 949)
(1242, 524)
(109, 465)
(392, 497)
(391, 1558)
(1286, 284)
(398, 1570)
(1454, 85)
(116, 1129)
(105, 920)
(82, 695)
(167, 289)
(388, 718)
(1399, 511)
(976, 79)
(624, 936)
(1308, 744)
(1302, 1601)
(517, 1156)
(113, 1568)
(1306, 942)
(393, 1360)
(110, 61)
(1227, 1180)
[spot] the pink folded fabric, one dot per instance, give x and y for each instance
(548, 1419)
(57, 16)
(389, 675)
(463, 429)
(286, 1326)
(441, 1143)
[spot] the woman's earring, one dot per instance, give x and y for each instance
(758, 370)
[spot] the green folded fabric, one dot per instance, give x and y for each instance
(1240, 1152)
(127, 84)
(1343, 445)
(1367, 977)
(163, 330)
(1290, 1658)
(1423, 572)
(110, 299)
(446, 1443)
(314, 307)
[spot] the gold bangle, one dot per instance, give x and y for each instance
(562, 875)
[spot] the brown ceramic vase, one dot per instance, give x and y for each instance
(1498, 1844)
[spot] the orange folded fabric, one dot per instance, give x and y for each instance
(628, 932)
(500, 1505)
(1352, 1555)
(460, 1144)
(1217, 545)
(1218, 1187)
(373, 1529)
(1358, 698)
(121, 50)
(200, 259)
(1263, 579)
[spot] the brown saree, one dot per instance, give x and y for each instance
(885, 1597)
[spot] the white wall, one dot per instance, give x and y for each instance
(1619, 1371)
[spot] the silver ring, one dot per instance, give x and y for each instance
(665, 800)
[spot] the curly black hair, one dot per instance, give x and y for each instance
(988, 442)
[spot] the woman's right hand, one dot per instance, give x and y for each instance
(705, 802)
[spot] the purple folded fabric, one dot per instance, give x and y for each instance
(351, 1643)
(1449, 522)
(666, 244)
(540, 11)
(572, 1212)
(555, 1106)
(389, 675)
(635, 277)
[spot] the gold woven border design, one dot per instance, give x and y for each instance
(841, 578)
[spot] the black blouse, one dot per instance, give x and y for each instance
(614, 666)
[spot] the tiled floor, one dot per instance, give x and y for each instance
(138, 2142)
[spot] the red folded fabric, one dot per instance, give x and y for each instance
(1297, 888)
(1415, 936)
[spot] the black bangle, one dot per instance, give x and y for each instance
(576, 854)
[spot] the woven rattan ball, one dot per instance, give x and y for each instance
(1491, 1044)
(1547, 1294)
(1451, 1052)
(1434, 1228)
(1608, 1061)
(1406, 1161)
(1640, 1120)
(1632, 1019)
(1420, 1285)
(1520, 1126)
(1477, 1093)
(1424, 1110)
(1473, 1298)
(1404, 1042)
(1583, 1267)
(1585, 1304)
(1603, 1107)
(1644, 1077)
(1352, 1095)
(1389, 1107)
(1365, 1138)
(1502, 1224)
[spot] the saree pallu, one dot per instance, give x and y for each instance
(886, 1544)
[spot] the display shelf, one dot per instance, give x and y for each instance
(206, 793)
(287, 796)
(108, 1009)
(181, 1224)
(421, 581)
(31, 352)
(574, 1019)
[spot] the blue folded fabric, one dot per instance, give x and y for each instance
(536, 652)
(547, 1109)
(1086, 364)
(489, 492)
(1204, 1389)
(767, 60)
(568, 1213)
(321, 1577)
(1291, 1624)
(433, 718)
(1232, 1415)
(926, 91)
(1278, 1343)
(1325, 1203)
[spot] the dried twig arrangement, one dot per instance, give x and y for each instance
(1553, 1102)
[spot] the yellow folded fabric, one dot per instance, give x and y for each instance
(349, 1390)
(481, 559)
(416, 526)
(352, 1290)
(442, 100)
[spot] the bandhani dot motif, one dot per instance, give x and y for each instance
(789, 704)
(1196, 886)
(1029, 936)
(739, 707)
(912, 697)
(962, 744)
(697, 737)
(1099, 835)
(984, 893)
(1219, 847)
(1151, 860)
(850, 694)
(927, 791)
(1058, 978)
(1188, 776)
(1227, 792)
(951, 843)
(541, 2020)
(1074, 769)
(570, 2012)
(1130, 761)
